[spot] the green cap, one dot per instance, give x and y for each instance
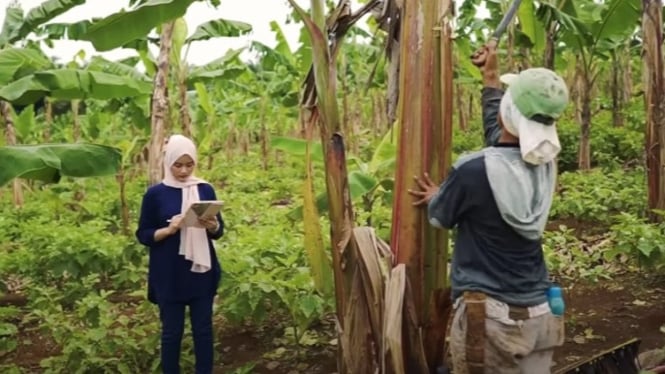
(539, 94)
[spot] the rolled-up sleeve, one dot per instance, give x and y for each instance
(450, 203)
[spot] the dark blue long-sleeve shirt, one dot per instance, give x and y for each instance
(489, 255)
(170, 278)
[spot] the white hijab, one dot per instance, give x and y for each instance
(193, 240)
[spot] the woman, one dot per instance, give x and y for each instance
(183, 267)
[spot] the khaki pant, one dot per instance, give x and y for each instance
(511, 347)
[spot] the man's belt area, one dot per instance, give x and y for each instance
(475, 328)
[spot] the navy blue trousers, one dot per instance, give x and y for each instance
(172, 316)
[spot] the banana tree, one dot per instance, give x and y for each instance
(229, 104)
(654, 86)
(369, 180)
(280, 68)
(50, 162)
(622, 84)
(424, 145)
(359, 324)
(201, 78)
(274, 78)
(591, 30)
(124, 27)
(10, 138)
(68, 84)
(16, 27)
(182, 42)
(130, 28)
(370, 317)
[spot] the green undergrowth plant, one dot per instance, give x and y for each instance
(638, 239)
(97, 335)
(9, 319)
(262, 254)
(611, 146)
(597, 195)
(572, 258)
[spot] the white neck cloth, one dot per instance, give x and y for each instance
(539, 143)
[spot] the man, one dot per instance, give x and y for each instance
(499, 200)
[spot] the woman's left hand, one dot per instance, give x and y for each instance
(210, 224)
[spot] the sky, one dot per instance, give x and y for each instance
(258, 13)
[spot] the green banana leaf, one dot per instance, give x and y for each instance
(226, 67)
(18, 62)
(118, 68)
(69, 84)
(296, 147)
(616, 18)
(17, 27)
(531, 25)
(124, 26)
(178, 37)
(49, 162)
(70, 31)
(13, 19)
(219, 28)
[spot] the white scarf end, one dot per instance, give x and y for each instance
(197, 268)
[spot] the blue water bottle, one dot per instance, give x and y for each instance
(555, 299)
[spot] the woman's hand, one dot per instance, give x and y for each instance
(174, 224)
(427, 190)
(211, 224)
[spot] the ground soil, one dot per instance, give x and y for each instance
(599, 317)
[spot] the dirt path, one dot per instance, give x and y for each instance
(609, 314)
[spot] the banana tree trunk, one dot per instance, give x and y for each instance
(10, 133)
(654, 86)
(160, 106)
(462, 118)
(584, 111)
(549, 53)
(244, 141)
(617, 91)
(231, 139)
(346, 124)
(379, 119)
(510, 47)
(185, 117)
(425, 125)
(393, 81)
(627, 74)
(264, 134)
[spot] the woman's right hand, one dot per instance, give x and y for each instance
(174, 224)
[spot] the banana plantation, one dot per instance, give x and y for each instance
(327, 265)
